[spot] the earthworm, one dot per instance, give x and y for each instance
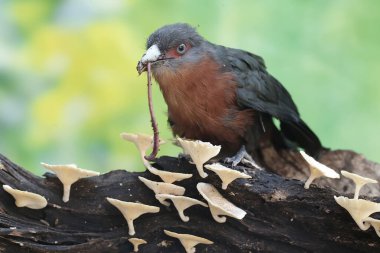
(156, 138)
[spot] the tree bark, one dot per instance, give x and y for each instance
(281, 215)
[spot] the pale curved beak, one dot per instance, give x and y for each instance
(151, 55)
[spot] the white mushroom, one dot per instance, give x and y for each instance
(132, 211)
(136, 243)
(317, 169)
(188, 241)
(26, 199)
(181, 203)
(163, 188)
(358, 180)
(219, 206)
(69, 174)
(200, 152)
(360, 209)
(143, 142)
(227, 175)
(374, 223)
(167, 176)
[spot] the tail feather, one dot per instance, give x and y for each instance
(301, 134)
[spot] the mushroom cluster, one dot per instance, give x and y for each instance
(199, 152)
(360, 209)
(67, 174)
(166, 192)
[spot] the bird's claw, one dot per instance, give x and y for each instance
(234, 160)
(242, 157)
(250, 163)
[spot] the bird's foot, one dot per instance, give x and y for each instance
(242, 157)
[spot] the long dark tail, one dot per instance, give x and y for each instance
(303, 136)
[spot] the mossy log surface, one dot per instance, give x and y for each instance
(281, 215)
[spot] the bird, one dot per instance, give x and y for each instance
(223, 95)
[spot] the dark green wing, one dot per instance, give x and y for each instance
(258, 90)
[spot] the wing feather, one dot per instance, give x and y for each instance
(259, 90)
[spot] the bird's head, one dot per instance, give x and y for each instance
(170, 47)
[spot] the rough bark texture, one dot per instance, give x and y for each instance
(281, 215)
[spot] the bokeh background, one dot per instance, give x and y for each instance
(68, 84)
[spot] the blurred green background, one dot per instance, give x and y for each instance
(68, 84)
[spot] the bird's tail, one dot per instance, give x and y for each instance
(303, 136)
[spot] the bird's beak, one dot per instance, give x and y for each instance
(153, 54)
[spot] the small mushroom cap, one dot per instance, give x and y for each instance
(167, 176)
(136, 243)
(227, 175)
(132, 211)
(359, 209)
(181, 203)
(188, 241)
(219, 206)
(142, 141)
(317, 169)
(69, 174)
(26, 199)
(358, 180)
(163, 188)
(200, 152)
(323, 169)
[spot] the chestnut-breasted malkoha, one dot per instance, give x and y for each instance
(223, 95)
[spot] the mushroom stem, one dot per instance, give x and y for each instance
(201, 171)
(215, 214)
(357, 189)
(310, 180)
(66, 192)
(131, 227)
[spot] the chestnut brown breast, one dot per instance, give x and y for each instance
(202, 105)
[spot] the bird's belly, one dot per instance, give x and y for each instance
(202, 104)
(226, 128)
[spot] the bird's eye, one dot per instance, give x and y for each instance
(181, 48)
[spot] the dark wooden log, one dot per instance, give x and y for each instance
(281, 215)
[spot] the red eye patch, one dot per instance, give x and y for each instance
(173, 53)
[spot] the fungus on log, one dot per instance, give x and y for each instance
(281, 214)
